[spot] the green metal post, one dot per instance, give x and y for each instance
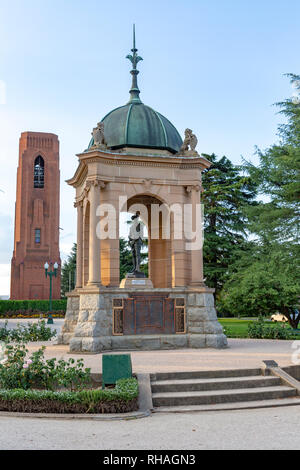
(50, 274)
(50, 318)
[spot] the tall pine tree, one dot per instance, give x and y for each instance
(226, 194)
(68, 272)
(278, 178)
(268, 278)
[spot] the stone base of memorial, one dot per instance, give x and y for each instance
(137, 317)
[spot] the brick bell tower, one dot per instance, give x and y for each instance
(36, 217)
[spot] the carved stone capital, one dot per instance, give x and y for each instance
(87, 188)
(96, 182)
(78, 203)
(195, 187)
(100, 183)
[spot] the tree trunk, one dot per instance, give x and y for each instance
(292, 318)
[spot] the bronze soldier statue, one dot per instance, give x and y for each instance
(135, 242)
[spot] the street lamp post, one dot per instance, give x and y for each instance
(50, 274)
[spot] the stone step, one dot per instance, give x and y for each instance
(230, 383)
(221, 396)
(243, 405)
(204, 374)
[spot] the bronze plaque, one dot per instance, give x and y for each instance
(146, 314)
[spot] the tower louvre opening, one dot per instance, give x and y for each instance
(39, 172)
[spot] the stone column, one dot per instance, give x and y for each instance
(79, 256)
(94, 242)
(114, 274)
(196, 255)
(178, 255)
(110, 252)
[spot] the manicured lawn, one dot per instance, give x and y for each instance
(234, 327)
(237, 328)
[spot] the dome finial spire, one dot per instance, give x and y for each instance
(134, 59)
(133, 36)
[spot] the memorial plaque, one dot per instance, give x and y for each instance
(146, 314)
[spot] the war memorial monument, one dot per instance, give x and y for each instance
(137, 162)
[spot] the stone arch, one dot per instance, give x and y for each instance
(137, 189)
(159, 248)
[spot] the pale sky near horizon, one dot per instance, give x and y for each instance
(216, 66)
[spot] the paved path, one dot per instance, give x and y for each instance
(275, 428)
(242, 353)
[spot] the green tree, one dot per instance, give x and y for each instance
(278, 179)
(266, 280)
(126, 265)
(68, 272)
(69, 267)
(125, 258)
(226, 194)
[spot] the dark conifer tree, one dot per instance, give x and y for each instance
(227, 192)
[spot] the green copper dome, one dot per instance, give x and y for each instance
(137, 125)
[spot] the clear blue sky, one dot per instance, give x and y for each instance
(215, 66)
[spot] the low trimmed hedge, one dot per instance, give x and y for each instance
(27, 308)
(122, 399)
(27, 314)
(260, 330)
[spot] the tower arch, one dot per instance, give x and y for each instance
(39, 172)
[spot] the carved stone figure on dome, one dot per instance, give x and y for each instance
(98, 136)
(189, 143)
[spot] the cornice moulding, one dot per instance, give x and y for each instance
(112, 158)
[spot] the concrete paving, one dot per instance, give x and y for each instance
(272, 428)
(241, 353)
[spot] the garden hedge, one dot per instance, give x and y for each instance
(122, 399)
(27, 308)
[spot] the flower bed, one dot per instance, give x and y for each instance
(27, 314)
(31, 308)
(34, 384)
(122, 399)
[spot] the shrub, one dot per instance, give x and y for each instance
(259, 330)
(32, 332)
(36, 372)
